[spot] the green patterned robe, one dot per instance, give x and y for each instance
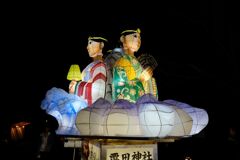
(126, 83)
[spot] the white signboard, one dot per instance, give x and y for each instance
(130, 152)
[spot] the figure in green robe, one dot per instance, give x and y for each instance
(129, 77)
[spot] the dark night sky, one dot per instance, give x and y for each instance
(195, 44)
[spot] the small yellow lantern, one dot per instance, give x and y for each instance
(74, 73)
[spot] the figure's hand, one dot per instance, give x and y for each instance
(72, 86)
(146, 74)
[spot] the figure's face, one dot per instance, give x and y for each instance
(93, 48)
(132, 41)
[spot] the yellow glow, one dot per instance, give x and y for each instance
(74, 73)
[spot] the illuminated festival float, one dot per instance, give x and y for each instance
(112, 111)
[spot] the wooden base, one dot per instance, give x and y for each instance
(115, 149)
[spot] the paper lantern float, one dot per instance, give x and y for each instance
(199, 116)
(147, 117)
